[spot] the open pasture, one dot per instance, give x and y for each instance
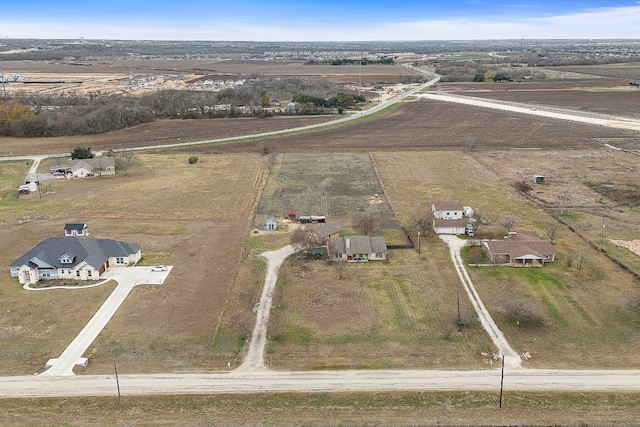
(194, 217)
(588, 310)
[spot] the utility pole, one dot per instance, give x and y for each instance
(418, 242)
(359, 76)
(115, 368)
(459, 319)
(601, 235)
(4, 89)
(502, 380)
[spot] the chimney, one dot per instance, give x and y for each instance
(347, 242)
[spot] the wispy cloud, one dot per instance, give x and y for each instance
(608, 22)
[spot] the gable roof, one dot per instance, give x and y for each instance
(458, 223)
(353, 245)
(94, 252)
(525, 245)
(323, 230)
(70, 226)
(448, 206)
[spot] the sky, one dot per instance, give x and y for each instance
(320, 20)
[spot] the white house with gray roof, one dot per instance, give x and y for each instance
(73, 258)
(357, 248)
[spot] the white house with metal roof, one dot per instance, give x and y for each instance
(73, 258)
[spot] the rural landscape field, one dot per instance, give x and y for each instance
(206, 218)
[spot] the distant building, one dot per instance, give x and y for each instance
(76, 230)
(272, 224)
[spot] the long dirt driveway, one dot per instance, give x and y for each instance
(509, 356)
(254, 360)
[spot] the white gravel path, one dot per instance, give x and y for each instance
(510, 356)
(254, 360)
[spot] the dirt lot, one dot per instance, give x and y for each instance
(113, 75)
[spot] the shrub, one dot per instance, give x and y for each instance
(193, 160)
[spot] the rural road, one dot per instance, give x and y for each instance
(320, 381)
(542, 111)
(346, 118)
(252, 376)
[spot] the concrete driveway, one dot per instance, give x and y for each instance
(127, 278)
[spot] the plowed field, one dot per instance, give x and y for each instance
(432, 125)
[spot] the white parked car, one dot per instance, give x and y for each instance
(159, 268)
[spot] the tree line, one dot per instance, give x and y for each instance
(72, 113)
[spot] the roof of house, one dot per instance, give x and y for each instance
(448, 206)
(459, 223)
(352, 245)
(75, 164)
(94, 252)
(70, 226)
(520, 245)
(323, 230)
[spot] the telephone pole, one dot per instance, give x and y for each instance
(4, 89)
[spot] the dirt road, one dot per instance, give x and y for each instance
(324, 381)
(255, 356)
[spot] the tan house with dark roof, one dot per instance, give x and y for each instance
(357, 248)
(524, 249)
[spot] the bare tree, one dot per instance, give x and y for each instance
(566, 196)
(525, 311)
(508, 223)
(475, 255)
(304, 238)
(123, 159)
(552, 230)
(312, 201)
(523, 186)
(366, 223)
(341, 269)
(424, 221)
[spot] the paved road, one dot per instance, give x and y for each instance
(542, 111)
(127, 278)
(346, 118)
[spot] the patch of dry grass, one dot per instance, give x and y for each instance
(330, 409)
(194, 217)
(583, 306)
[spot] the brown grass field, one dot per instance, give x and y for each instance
(388, 315)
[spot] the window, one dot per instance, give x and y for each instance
(119, 260)
(78, 273)
(89, 273)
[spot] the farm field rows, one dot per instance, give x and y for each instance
(621, 101)
(432, 125)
